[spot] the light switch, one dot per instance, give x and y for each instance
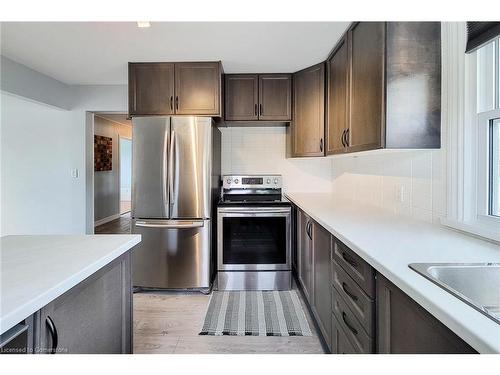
(74, 173)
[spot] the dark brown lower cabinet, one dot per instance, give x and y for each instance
(340, 344)
(404, 327)
(304, 254)
(93, 317)
(321, 279)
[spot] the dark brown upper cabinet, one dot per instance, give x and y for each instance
(151, 89)
(242, 97)
(384, 87)
(192, 88)
(264, 97)
(275, 97)
(197, 88)
(308, 126)
(367, 86)
(337, 108)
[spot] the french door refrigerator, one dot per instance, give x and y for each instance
(175, 184)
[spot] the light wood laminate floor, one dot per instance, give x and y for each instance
(117, 226)
(170, 323)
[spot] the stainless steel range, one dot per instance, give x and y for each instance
(253, 234)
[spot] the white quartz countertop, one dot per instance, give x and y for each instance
(35, 270)
(390, 242)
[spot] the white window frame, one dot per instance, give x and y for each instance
(467, 139)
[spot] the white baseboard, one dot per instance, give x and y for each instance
(106, 220)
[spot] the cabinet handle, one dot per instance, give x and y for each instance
(349, 260)
(321, 145)
(261, 110)
(308, 230)
(351, 328)
(342, 138)
(347, 137)
(350, 294)
(171, 103)
(53, 334)
(255, 109)
(176, 102)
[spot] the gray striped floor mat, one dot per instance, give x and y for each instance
(255, 313)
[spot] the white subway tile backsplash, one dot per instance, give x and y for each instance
(407, 183)
(410, 183)
(262, 150)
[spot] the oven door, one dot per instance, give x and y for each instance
(254, 238)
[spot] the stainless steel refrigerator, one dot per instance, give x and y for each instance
(175, 185)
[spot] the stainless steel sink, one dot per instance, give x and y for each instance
(477, 284)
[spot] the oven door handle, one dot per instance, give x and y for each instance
(253, 211)
(257, 213)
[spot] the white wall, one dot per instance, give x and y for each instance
(22, 81)
(39, 147)
(55, 140)
(261, 150)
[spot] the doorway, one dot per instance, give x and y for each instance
(125, 175)
(112, 173)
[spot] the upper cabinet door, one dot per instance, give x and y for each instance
(275, 97)
(367, 86)
(151, 89)
(242, 97)
(309, 120)
(197, 88)
(337, 121)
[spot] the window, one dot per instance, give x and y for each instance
(488, 125)
(472, 119)
(494, 168)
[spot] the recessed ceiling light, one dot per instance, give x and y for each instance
(143, 24)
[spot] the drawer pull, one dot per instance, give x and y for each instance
(350, 294)
(351, 328)
(349, 260)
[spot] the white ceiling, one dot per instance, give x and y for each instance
(97, 52)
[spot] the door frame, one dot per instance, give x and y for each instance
(89, 166)
(120, 137)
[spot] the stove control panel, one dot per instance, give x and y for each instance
(252, 182)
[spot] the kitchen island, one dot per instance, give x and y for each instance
(66, 293)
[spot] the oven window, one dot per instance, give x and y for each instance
(254, 240)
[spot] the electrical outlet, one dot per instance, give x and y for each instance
(400, 193)
(74, 173)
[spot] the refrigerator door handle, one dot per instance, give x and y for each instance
(169, 224)
(171, 168)
(165, 171)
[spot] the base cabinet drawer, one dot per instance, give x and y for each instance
(351, 326)
(360, 304)
(340, 344)
(360, 271)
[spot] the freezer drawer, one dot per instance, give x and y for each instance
(173, 254)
